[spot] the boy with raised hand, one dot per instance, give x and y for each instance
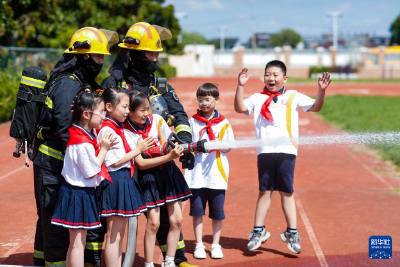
(276, 119)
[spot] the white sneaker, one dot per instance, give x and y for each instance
(199, 251)
(216, 251)
(166, 263)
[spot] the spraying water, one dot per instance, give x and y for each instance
(387, 138)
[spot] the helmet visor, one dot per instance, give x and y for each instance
(112, 36)
(163, 32)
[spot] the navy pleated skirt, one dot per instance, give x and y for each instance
(76, 208)
(121, 198)
(163, 184)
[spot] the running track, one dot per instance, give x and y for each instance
(342, 199)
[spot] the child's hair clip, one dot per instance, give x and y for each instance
(87, 90)
(100, 92)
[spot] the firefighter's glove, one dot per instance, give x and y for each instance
(187, 161)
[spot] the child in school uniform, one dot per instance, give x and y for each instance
(208, 180)
(121, 197)
(161, 181)
(83, 170)
(276, 118)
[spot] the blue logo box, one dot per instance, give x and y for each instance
(380, 247)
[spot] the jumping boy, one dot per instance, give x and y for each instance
(276, 120)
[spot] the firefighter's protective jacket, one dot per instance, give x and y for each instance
(56, 119)
(142, 82)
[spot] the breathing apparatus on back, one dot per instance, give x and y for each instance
(157, 102)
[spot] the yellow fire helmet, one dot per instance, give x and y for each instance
(90, 40)
(143, 36)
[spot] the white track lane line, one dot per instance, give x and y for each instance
(310, 231)
(389, 186)
(12, 250)
(12, 172)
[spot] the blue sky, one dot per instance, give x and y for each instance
(308, 18)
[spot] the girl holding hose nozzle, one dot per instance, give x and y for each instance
(159, 178)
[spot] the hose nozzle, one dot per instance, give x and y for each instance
(195, 147)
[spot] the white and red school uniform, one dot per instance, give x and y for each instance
(282, 132)
(122, 196)
(76, 206)
(211, 170)
(161, 184)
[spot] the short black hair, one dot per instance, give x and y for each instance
(110, 95)
(136, 98)
(276, 63)
(207, 89)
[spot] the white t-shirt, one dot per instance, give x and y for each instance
(280, 136)
(159, 129)
(116, 154)
(80, 163)
(211, 170)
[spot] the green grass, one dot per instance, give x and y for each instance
(366, 114)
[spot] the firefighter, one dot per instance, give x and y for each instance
(133, 69)
(80, 63)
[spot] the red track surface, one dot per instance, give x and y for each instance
(342, 199)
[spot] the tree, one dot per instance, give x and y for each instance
(285, 37)
(51, 23)
(193, 38)
(395, 30)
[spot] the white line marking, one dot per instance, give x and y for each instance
(311, 234)
(11, 251)
(369, 169)
(12, 172)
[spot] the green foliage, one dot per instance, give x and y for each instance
(51, 23)
(193, 38)
(166, 71)
(366, 114)
(9, 83)
(285, 37)
(319, 69)
(395, 30)
(152, 12)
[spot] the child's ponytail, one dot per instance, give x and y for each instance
(85, 99)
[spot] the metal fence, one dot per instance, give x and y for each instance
(14, 59)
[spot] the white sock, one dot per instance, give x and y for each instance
(199, 244)
(148, 264)
(168, 258)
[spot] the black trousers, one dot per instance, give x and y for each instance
(51, 241)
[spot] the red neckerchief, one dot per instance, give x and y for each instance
(145, 133)
(209, 123)
(264, 109)
(128, 125)
(78, 135)
(120, 131)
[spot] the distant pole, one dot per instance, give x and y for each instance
(253, 38)
(180, 15)
(335, 15)
(222, 29)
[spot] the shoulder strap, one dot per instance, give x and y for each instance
(160, 84)
(49, 86)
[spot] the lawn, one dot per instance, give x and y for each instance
(366, 114)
